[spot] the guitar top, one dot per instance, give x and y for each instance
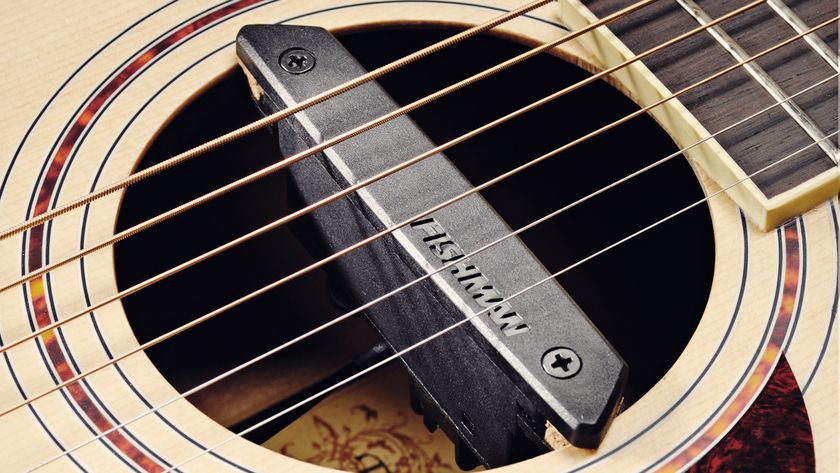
(420, 236)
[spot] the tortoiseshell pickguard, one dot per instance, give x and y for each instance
(773, 436)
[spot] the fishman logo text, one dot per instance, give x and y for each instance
(474, 283)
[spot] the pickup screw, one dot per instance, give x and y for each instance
(297, 61)
(561, 362)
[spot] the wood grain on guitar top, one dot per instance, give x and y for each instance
(59, 58)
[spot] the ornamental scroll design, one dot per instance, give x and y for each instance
(365, 443)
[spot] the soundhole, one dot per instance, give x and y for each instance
(646, 295)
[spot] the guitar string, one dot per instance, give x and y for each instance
(472, 316)
(361, 243)
(410, 284)
(271, 119)
(276, 167)
(349, 190)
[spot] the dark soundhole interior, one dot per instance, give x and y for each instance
(646, 295)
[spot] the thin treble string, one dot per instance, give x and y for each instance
(271, 119)
(276, 167)
(410, 284)
(361, 243)
(470, 317)
(349, 190)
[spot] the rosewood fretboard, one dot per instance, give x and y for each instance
(799, 182)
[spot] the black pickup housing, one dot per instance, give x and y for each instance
(483, 382)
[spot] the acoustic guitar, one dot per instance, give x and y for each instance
(420, 236)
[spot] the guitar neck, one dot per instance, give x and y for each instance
(782, 191)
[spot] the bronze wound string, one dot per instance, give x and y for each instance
(270, 119)
(276, 167)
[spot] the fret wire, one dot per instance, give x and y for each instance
(817, 44)
(426, 276)
(470, 317)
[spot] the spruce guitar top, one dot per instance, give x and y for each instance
(431, 236)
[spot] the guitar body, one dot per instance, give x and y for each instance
(88, 87)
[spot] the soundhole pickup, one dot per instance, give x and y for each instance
(493, 383)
